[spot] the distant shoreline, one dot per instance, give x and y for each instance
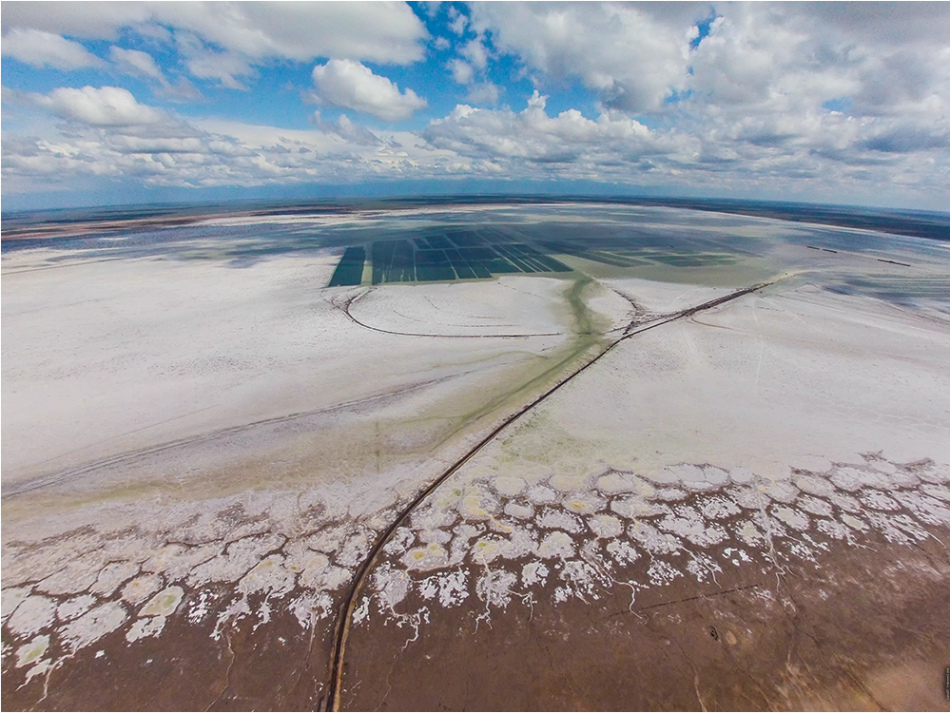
(28, 225)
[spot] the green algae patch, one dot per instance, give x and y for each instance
(164, 603)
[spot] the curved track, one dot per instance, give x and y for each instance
(345, 305)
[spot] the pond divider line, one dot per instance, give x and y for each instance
(331, 700)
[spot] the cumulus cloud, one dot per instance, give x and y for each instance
(105, 106)
(352, 85)
(531, 135)
(39, 49)
(632, 58)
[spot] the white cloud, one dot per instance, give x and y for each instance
(457, 21)
(39, 49)
(106, 106)
(475, 53)
(205, 63)
(533, 136)
(182, 91)
(748, 106)
(386, 32)
(632, 58)
(136, 62)
(462, 72)
(352, 85)
(87, 20)
(798, 155)
(346, 129)
(485, 93)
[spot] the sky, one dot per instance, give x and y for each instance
(114, 102)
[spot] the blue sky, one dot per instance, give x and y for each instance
(116, 102)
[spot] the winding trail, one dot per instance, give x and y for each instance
(332, 699)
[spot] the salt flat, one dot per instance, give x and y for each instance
(159, 350)
(206, 450)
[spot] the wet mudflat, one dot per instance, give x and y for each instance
(865, 629)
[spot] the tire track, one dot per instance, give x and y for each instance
(16, 489)
(331, 700)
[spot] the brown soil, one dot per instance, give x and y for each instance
(272, 668)
(868, 629)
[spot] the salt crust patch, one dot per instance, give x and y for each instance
(72, 608)
(632, 507)
(670, 494)
(688, 524)
(35, 613)
(780, 490)
(77, 576)
(877, 500)
(487, 549)
(466, 308)
(534, 573)
(270, 576)
(32, 652)
(556, 545)
(431, 517)
(815, 506)
(652, 540)
(433, 556)
(605, 526)
(93, 625)
(559, 520)
(569, 482)
(542, 495)
(791, 517)
(718, 508)
(509, 487)
(520, 511)
(438, 536)
(113, 575)
(139, 589)
(741, 475)
(583, 503)
(815, 485)
(614, 483)
(11, 598)
(936, 491)
(142, 628)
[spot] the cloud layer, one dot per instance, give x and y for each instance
(836, 101)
